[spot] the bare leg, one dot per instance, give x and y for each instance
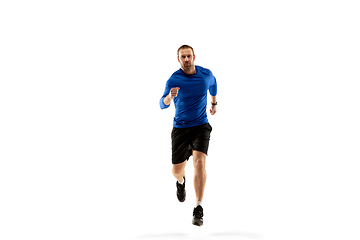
(199, 159)
(178, 170)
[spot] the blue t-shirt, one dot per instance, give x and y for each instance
(190, 103)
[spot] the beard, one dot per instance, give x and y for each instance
(187, 65)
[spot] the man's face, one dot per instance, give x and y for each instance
(186, 58)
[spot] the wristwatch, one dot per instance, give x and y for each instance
(214, 103)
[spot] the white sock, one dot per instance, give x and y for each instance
(198, 203)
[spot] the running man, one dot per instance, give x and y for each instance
(188, 88)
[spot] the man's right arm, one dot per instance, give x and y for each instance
(166, 99)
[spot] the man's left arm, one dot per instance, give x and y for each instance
(213, 93)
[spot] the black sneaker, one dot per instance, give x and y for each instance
(181, 193)
(198, 216)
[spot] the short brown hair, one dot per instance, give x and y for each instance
(185, 47)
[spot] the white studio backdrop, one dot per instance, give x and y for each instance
(85, 149)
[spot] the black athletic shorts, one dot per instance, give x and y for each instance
(184, 140)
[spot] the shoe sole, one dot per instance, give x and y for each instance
(197, 222)
(182, 200)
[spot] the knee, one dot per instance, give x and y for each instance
(199, 164)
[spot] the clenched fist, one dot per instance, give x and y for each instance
(213, 109)
(174, 92)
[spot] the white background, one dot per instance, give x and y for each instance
(85, 149)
